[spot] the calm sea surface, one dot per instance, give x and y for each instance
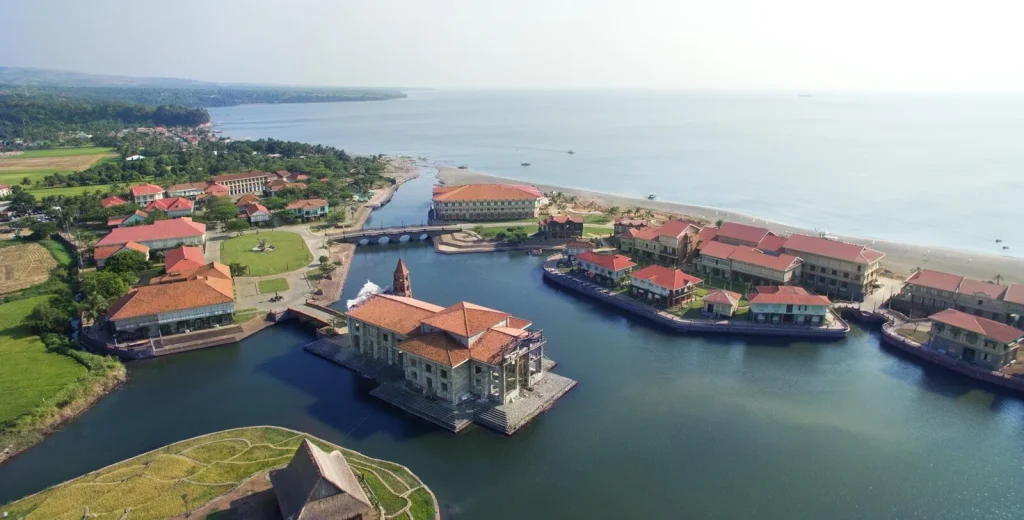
(932, 170)
(661, 425)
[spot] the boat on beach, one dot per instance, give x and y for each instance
(651, 196)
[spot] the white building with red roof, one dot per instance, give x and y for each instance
(663, 286)
(189, 190)
(485, 202)
(980, 341)
(256, 213)
(786, 304)
(605, 268)
(844, 270)
(747, 264)
(464, 351)
(720, 303)
(240, 183)
(112, 201)
(145, 193)
(307, 209)
(162, 234)
(174, 207)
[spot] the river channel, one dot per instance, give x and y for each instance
(661, 425)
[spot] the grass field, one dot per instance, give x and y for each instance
(185, 476)
(490, 233)
(24, 265)
(29, 374)
(64, 152)
(290, 253)
(272, 285)
(244, 315)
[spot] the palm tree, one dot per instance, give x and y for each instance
(93, 306)
(998, 279)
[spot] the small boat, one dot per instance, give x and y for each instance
(651, 196)
(524, 164)
(534, 252)
(570, 152)
(1006, 247)
(463, 167)
(999, 240)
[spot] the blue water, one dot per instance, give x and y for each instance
(925, 169)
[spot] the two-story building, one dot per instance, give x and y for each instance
(256, 213)
(175, 206)
(668, 244)
(748, 236)
(980, 341)
(560, 227)
(574, 248)
(926, 292)
(160, 235)
(454, 353)
(307, 209)
(240, 183)
(747, 264)
(485, 202)
(625, 224)
(145, 193)
(188, 190)
(843, 270)
(785, 304)
(608, 269)
(135, 219)
(663, 286)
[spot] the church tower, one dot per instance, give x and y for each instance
(402, 286)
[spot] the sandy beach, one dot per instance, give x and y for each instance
(901, 259)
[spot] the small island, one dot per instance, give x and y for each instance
(253, 472)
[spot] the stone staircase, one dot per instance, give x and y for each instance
(494, 417)
(454, 419)
(324, 348)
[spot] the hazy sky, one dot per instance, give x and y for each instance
(904, 45)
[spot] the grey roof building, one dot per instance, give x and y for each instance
(319, 485)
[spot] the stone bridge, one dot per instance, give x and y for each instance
(393, 234)
(312, 312)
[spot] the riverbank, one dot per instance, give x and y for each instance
(901, 259)
(198, 474)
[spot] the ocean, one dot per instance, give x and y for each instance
(941, 170)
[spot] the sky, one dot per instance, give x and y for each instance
(887, 45)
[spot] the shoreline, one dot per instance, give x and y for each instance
(902, 259)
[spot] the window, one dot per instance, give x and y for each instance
(355, 325)
(385, 337)
(413, 362)
(980, 302)
(444, 387)
(428, 368)
(834, 272)
(444, 374)
(478, 370)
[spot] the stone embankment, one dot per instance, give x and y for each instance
(837, 330)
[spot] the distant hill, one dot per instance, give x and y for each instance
(177, 91)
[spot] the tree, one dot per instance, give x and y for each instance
(286, 218)
(44, 230)
(220, 209)
(104, 285)
(155, 215)
(237, 225)
(238, 269)
(324, 259)
(47, 317)
(23, 202)
(614, 210)
(719, 222)
(129, 262)
(327, 268)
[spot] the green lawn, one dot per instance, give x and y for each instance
(65, 152)
(244, 315)
(272, 285)
(29, 374)
(290, 253)
(490, 233)
(71, 190)
(596, 231)
(186, 475)
(597, 219)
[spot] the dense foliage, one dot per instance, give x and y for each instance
(40, 116)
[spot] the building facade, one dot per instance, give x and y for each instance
(485, 202)
(309, 208)
(720, 303)
(145, 193)
(561, 227)
(783, 304)
(188, 190)
(663, 286)
(174, 206)
(927, 292)
(840, 269)
(979, 341)
(625, 224)
(669, 244)
(609, 269)
(241, 183)
(747, 265)
(162, 234)
(256, 213)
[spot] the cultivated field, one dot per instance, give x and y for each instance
(23, 266)
(29, 374)
(187, 475)
(63, 152)
(290, 253)
(53, 162)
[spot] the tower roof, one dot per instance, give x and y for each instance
(400, 268)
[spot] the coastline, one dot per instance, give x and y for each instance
(901, 259)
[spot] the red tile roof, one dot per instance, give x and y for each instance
(771, 243)
(576, 244)
(173, 228)
(1014, 294)
(671, 279)
(465, 319)
(112, 201)
(117, 221)
(987, 289)
(171, 204)
(723, 297)
(678, 228)
(471, 192)
(936, 280)
(248, 198)
(612, 262)
(396, 313)
(752, 256)
(103, 252)
(217, 189)
(146, 189)
(707, 234)
(148, 300)
(183, 257)
(717, 249)
(185, 186)
(251, 209)
(238, 176)
(631, 222)
(991, 329)
(742, 232)
(562, 219)
(307, 203)
(787, 295)
(832, 249)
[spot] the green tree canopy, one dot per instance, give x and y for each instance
(130, 262)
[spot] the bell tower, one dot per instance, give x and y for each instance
(402, 285)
